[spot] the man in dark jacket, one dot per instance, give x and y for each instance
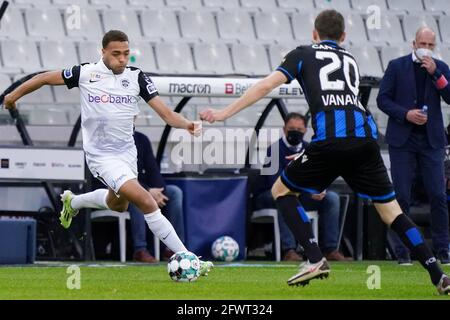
(410, 94)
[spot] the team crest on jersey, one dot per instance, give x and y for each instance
(125, 83)
(95, 77)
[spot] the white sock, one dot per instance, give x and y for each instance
(164, 230)
(95, 199)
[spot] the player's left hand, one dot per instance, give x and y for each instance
(211, 115)
(319, 197)
(429, 64)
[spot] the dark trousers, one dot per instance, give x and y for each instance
(418, 154)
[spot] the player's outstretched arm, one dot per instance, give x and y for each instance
(46, 78)
(172, 118)
(252, 95)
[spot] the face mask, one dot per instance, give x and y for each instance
(294, 137)
(422, 52)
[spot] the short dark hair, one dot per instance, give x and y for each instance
(330, 25)
(295, 115)
(113, 35)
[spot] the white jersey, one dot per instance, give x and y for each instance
(109, 103)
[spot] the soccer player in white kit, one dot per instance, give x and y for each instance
(109, 94)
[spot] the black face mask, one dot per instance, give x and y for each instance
(294, 137)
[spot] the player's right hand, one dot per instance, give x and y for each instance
(417, 117)
(9, 102)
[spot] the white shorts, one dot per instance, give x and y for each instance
(114, 170)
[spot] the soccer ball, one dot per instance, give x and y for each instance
(183, 266)
(225, 248)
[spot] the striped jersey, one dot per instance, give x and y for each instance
(329, 77)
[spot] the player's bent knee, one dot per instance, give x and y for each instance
(388, 211)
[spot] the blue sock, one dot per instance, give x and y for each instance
(412, 238)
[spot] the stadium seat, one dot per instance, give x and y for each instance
(389, 53)
(121, 217)
(303, 26)
(142, 57)
(212, 58)
(48, 116)
(161, 25)
(413, 22)
(250, 59)
(186, 4)
(226, 5)
(5, 82)
(390, 31)
(368, 61)
(64, 95)
(271, 216)
(443, 53)
(20, 56)
(125, 20)
(438, 6)
(90, 27)
(45, 23)
(198, 26)
(273, 26)
(32, 3)
(12, 25)
(263, 5)
(58, 55)
(410, 6)
(299, 5)
(444, 22)
(355, 29)
(109, 4)
(90, 52)
(278, 52)
(339, 5)
(154, 4)
(362, 5)
(174, 58)
(67, 3)
(235, 25)
(42, 96)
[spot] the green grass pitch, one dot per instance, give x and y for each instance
(248, 280)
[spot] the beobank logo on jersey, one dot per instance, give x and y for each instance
(110, 98)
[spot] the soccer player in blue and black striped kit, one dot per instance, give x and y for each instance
(344, 144)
